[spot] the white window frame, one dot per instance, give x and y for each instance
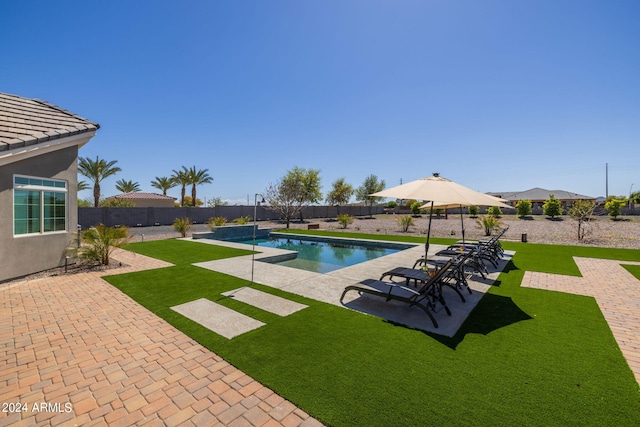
(41, 189)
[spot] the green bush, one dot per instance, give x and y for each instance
(552, 207)
(345, 220)
(523, 208)
(243, 220)
(117, 203)
(416, 208)
(613, 207)
(473, 211)
(392, 205)
(217, 221)
(182, 226)
(494, 211)
(405, 221)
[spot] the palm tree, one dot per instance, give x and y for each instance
(197, 177)
(181, 177)
(97, 170)
(127, 186)
(82, 185)
(163, 183)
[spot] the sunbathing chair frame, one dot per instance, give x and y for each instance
(426, 297)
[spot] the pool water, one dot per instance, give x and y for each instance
(325, 255)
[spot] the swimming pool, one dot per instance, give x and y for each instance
(322, 255)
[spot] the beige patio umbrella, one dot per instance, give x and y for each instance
(440, 192)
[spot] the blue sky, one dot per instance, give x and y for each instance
(496, 95)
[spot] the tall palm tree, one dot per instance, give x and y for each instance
(124, 186)
(197, 177)
(181, 177)
(163, 183)
(97, 170)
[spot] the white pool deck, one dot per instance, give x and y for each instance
(329, 287)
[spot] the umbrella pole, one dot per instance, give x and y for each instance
(462, 222)
(426, 246)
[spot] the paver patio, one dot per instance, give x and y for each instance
(616, 291)
(78, 342)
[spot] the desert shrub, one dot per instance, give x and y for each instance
(408, 203)
(473, 211)
(345, 220)
(243, 220)
(523, 208)
(552, 207)
(117, 203)
(416, 208)
(581, 211)
(488, 223)
(614, 206)
(182, 226)
(217, 221)
(494, 211)
(405, 221)
(100, 241)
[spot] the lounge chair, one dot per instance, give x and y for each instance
(426, 297)
(455, 278)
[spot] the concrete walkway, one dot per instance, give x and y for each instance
(616, 291)
(77, 351)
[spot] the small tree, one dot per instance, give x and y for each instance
(552, 207)
(581, 211)
(100, 241)
(370, 185)
(392, 204)
(182, 226)
(405, 221)
(614, 206)
(284, 199)
(523, 208)
(340, 193)
(473, 211)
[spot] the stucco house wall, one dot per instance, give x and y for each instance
(39, 145)
(25, 254)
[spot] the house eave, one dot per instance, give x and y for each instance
(29, 151)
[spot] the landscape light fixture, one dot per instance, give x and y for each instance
(255, 226)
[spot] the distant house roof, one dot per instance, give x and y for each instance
(540, 194)
(138, 195)
(25, 122)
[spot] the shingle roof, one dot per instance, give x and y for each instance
(138, 195)
(540, 194)
(25, 122)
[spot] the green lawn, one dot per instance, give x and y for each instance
(523, 357)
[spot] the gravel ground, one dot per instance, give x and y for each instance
(601, 231)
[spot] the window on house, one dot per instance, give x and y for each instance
(39, 205)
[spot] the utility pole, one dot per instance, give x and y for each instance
(606, 189)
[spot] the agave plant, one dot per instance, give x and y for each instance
(100, 241)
